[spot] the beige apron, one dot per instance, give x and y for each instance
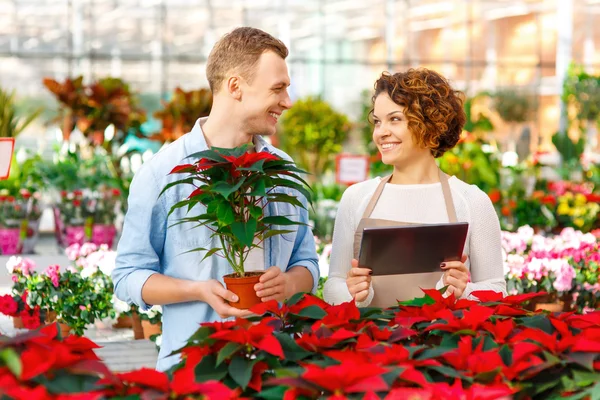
(392, 288)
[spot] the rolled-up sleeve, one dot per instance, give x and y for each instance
(304, 253)
(142, 240)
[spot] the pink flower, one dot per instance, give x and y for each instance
(27, 266)
(53, 271)
(87, 249)
(82, 308)
(16, 265)
(72, 251)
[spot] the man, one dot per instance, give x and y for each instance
(248, 77)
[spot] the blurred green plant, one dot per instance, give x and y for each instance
(570, 152)
(474, 161)
(11, 123)
(312, 134)
(181, 112)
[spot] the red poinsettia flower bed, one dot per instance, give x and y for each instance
(430, 348)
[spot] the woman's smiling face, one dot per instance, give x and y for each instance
(391, 134)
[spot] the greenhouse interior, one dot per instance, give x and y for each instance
(394, 199)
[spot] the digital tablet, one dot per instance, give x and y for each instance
(411, 249)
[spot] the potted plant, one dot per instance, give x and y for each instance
(105, 207)
(313, 132)
(515, 109)
(582, 91)
(70, 298)
(11, 124)
(23, 316)
(179, 115)
(151, 322)
(233, 186)
(93, 108)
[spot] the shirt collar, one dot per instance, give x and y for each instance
(197, 142)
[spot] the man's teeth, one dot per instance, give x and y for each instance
(274, 116)
(388, 145)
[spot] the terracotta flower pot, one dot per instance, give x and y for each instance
(138, 330)
(18, 323)
(552, 307)
(243, 288)
(123, 322)
(151, 329)
(65, 330)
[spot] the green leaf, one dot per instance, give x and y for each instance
(272, 393)
(585, 378)
(12, 361)
(225, 189)
(181, 181)
(225, 214)
(177, 205)
(313, 312)
(273, 232)
(291, 349)
(487, 377)
(584, 359)
(256, 212)
(227, 350)
(506, 355)
(207, 370)
(240, 369)
(446, 371)
(256, 167)
(279, 220)
(210, 154)
(418, 302)
(280, 182)
(433, 352)
(295, 298)
(200, 336)
(539, 321)
(63, 382)
(259, 189)
(210, 253)
(285, 198)
(245, 231)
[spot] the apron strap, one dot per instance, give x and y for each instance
(448, 197)
(375, 197)
(445, 190)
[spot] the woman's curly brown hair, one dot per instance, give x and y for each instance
(434, 110)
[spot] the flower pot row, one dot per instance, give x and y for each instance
(142, 328)
(20, 239)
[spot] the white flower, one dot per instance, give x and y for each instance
(13, 263)
(158, 340)
(119, 305)
(107, 263)
(88, 271)
(154, 311)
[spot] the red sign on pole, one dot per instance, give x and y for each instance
(351, 169)
(7, 146)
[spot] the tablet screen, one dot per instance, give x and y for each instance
(411, 249)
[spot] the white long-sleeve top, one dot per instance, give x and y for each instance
(422, 203)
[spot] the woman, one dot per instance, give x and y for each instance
(417, 117)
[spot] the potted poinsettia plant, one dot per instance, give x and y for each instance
(234, 186)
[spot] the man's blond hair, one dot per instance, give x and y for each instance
(239, 51)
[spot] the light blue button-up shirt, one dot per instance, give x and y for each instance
(148, 246)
